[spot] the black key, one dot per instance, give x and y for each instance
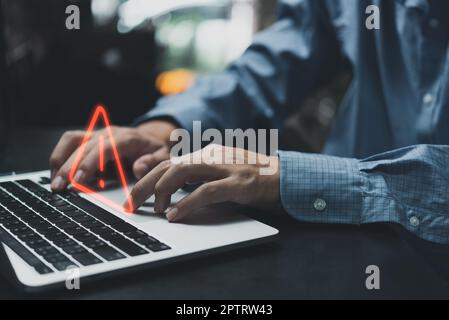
(67, 225)
(50, 213)
(92, 224)
(74, 213)
(95, 243)
(66, 208)
(83, 218)
(20, 229)
(84, 235)
(64, 242)
(31, 219)
(11, 223)
(58, 218)
(43, 269)
(42, 226)
(11, 187)
(39, 206)
(101, 230)
(6, 218)
(128, 247)
(53, 233)
(29, 236)
(76, 230)
(108, 253)
(12, 204)
(56, 257)
(45, 180)
(48, 197)
(76, 249)
(157, 246)
(86, 259)
(111, 235)
(146, 240)
(58, 203)
(39, 243)
(135, 234)
(46, 251)
(63, 265)
(23, 212)
(124, 227)
(68, 194)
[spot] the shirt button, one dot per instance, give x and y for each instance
(414, 221)
(428, 99)
(319, 204)
(434, 23)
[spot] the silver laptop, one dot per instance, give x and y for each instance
(45, 235)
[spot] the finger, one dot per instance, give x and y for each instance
(61, 179)
(177, 176)
(146, 163)
(145, 186)
(207, 194)
(89, 164)
(68, 143)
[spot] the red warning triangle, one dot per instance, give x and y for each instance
(100, 115)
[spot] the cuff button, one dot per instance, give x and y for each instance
(319, 204)
(414, 221)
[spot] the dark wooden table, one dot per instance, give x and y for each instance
(308, 261)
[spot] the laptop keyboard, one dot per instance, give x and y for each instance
(56, 231)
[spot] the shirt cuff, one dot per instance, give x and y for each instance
(318, 188)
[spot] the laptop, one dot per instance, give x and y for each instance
(44, 234)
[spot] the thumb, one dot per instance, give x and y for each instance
(147, 162)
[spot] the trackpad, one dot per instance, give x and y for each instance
(146, 212)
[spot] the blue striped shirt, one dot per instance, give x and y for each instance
(386, 159)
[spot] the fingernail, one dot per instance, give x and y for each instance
(129, 200)
(58, 183)
(172, 213)
(79, 176)
(127, 206)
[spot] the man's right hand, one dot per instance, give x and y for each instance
(144, 146)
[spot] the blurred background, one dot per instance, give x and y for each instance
(126, 55)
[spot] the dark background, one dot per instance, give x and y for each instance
(56, 76)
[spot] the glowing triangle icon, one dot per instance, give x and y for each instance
(101, 116)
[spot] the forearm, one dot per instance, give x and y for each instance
(278, 70)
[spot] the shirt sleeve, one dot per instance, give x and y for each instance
(281, 65)
(408, 186)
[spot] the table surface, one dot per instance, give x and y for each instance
(306, 261)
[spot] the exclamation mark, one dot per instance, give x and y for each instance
(101, 183)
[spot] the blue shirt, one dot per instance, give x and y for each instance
(387, 158)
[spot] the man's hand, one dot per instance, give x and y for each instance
(145, 146)
(233, 179)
